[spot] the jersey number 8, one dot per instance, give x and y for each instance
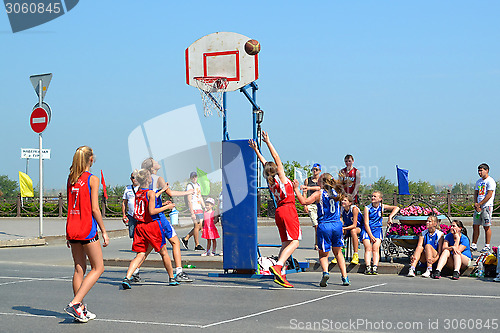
(332, 206)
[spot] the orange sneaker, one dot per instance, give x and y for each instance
(276, 270)
(285, 284)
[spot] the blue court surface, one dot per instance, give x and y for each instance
(34, 291)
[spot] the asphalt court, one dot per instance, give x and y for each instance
(33, 296)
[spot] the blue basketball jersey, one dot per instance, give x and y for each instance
(375, 216)
(347, 216)
(433, 239)
(464, 240)
(328, 208)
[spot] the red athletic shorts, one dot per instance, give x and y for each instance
(287, 222)
(148, 233)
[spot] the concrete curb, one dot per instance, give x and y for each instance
(314, 266)
(57, 240)
(23, 242)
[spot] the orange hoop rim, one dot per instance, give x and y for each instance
(209, 80)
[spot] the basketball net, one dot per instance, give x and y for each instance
(212, 90)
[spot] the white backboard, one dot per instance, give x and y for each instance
(222, 54)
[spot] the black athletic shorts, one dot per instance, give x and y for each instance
(85, 241)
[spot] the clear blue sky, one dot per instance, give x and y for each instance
(390, 82)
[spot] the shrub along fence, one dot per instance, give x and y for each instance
(56, 206)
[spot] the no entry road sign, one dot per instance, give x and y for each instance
(39, 120)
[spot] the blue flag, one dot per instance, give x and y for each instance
(403, 186)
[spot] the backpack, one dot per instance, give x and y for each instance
(264, 263)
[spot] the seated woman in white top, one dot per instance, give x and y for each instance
(429, 247)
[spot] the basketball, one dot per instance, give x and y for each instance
(252, 47)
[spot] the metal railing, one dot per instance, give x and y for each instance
(56, 206)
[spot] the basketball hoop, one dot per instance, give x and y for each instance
(212, 90)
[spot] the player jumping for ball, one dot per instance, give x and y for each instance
(286, 216)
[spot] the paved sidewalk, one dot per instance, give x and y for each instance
(28, 228)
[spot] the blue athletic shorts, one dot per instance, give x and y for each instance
(376, 232)
(329, 235)
(166, 228)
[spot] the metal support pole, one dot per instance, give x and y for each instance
(247, 95)
(255, 127)
(257, 131)
(225, 134)
(40, 99)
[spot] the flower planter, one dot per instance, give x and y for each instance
(407, 242)
(415, 220)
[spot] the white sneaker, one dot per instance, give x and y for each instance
(497, 279)
(486, 249)
(473, 247)
(411, 273)
(204, 254)
(427, 273)
(87, 313)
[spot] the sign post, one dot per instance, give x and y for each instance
(38, 123)
(40, 163)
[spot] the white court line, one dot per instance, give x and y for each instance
(290, 306)
(64, 278)
(248, 287)
(24, 279)
(68, 278)
(25, 315)
(106, 320)
(200, 326)
(426, 294)
(148, 323)
(268, 288)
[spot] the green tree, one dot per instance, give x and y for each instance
(461, 188)
(421, 187)
(9, 188)
(364, 189)
(289, 169)
(384, 185)
(115, 190)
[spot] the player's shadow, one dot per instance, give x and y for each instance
(44, 313)
(126, 251)
(112, 281)
(8, 234)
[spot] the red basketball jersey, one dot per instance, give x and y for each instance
(80, 223)
(141, 210)
(351, 175)
(283, 192)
